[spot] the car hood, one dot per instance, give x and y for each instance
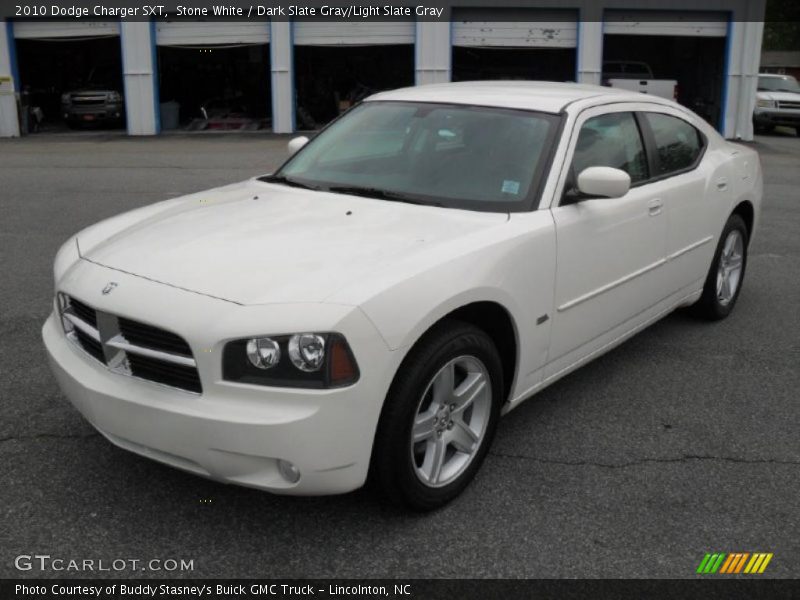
(261, 243)
(780, 96)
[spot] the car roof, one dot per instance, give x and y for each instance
(544, 96)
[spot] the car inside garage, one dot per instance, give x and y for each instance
(525, 44)
(70, 75)
(339, 63)
(214, 76)
(687, 48)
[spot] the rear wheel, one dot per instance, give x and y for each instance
(725, 277)
(439, 418)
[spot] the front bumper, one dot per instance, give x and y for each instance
(232, 433)
(777, 116)
(93, 112)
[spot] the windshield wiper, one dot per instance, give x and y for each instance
(282, 179)
(371, 192)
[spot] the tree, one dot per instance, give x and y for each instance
(782, 25)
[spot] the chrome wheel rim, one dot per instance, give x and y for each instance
(451, 421)
(729, 270)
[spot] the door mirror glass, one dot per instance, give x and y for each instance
(604, 182)
(296, 143)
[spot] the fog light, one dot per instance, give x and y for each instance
(288, 471)
(263, 353)
(307, 351)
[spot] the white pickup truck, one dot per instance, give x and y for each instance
(777, 103)
(637, 76)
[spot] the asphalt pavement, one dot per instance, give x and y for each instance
(680, 442)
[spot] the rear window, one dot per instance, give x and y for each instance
(678, 143)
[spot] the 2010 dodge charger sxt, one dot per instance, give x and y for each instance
(422, 266)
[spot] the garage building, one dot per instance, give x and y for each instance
(286, 76)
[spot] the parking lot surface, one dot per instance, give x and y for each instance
(680, 442)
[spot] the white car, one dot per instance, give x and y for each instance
(427, 262)
(777, 102)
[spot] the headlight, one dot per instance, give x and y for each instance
(301, 360)
(307, 351)
(114, 97)
(65, 98)
(764, 103)
(263, 353)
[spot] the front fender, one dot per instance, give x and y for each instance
(517, 272)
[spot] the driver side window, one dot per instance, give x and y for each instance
(611, 140)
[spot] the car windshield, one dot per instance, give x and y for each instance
(478, 158)
(778, 84)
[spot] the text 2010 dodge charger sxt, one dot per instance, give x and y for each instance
(423, 265)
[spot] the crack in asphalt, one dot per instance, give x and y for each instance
(643, 461)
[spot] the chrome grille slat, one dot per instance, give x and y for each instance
(148, 353)
(83, 326)
(121, 343)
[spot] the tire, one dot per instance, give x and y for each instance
(716, 303)
(410, 473)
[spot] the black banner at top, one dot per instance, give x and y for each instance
(367, 10)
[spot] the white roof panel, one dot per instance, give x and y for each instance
(543, 96)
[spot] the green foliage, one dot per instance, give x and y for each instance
(782, 25)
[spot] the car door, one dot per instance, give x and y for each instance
(694, 183)
(610, 251)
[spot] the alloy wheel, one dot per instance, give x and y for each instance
(729, 270)
(451, 421)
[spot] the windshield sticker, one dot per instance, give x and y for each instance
(510, 187)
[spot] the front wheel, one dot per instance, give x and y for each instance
(725, 277)
(439, 417)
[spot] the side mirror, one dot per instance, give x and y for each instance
(296, 143)
(604, 182)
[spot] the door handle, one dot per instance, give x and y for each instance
(722, 184)
(654, 207)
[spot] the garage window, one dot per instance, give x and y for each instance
(611, 140)
(678, 144)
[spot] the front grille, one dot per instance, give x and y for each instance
(89, 100)
(129, 347)
(84, 312)
(173, 375)
(153, 337)
(788, 104)
(90, 345)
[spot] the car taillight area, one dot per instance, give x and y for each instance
(129, 347)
